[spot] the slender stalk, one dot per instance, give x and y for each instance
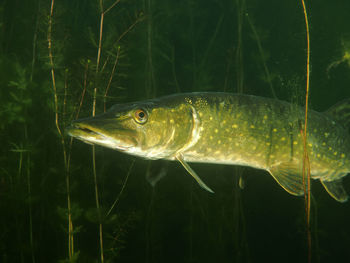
(193, 47)
(19, 233)
(97, 202)
(228, 70)
(110, 79)
(70, 223)
(239, 51)
(30, 209)
(121, 191)
(139, 19)
(118, 54)
(174, 70)
(306, 162)
(82, 96)
(67, 171)
(98, 59)
(263, 60)
(93, 147)
(204, 59)
(35, 36)
(151, 77)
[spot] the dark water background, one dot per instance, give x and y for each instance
(163, 47)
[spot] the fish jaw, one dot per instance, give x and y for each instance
(105, 132)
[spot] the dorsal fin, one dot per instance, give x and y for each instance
(340, 112)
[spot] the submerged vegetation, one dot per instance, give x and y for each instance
(64, 201)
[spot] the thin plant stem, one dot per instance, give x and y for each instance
(139, 19)
(261, 52)
(121, 191)
(103, 13)
(30, 209)
(97, 203)
(110, 79)
(82, 96)
(151, 75)
(52, 71)
(306, 161)
(35, 36)
(93, 146)
(49, 38)
(211, 42)
(118, 54)
(239, 50)
(98, 59)
(19, 233)
(173, 70)
(193, 47)
(238, 215)
(67, 171)
(228, 70)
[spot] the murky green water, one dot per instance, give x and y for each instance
(151, 48)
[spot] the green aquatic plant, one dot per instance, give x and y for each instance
(16, 176)
(17, 94)
(95, 74)
(345, 55)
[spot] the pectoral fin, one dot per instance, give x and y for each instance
(289, 177)
(193, 173)
(336, 190)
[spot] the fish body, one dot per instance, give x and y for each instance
(235, 129)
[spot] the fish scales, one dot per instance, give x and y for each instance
(265, 131)
(227, 128)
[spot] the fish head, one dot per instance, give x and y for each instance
(151, 129)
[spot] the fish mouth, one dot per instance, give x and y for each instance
(80, 130)
(118, 139)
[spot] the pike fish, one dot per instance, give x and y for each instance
(234, 129)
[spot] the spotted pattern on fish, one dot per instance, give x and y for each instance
(232, 129)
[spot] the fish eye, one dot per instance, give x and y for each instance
(140, 116)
